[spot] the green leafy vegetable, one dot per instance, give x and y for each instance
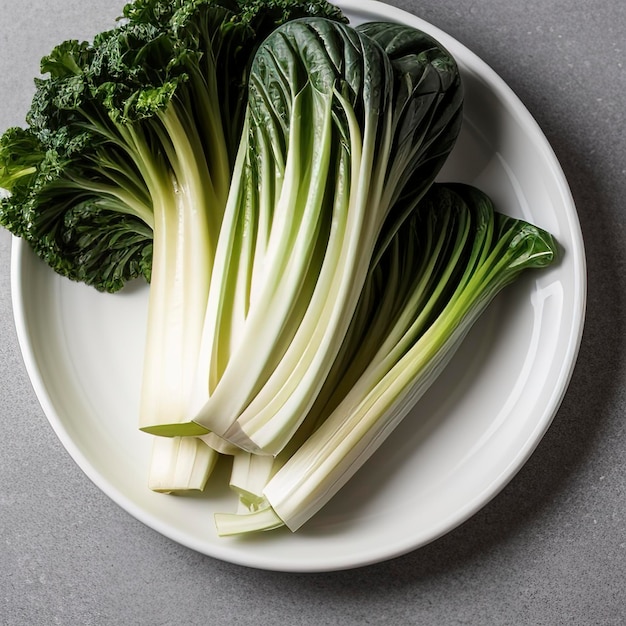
(447, 261)
(270, 171)
(340, 135)
(125, 166)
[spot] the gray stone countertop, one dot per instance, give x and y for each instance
(549, 549)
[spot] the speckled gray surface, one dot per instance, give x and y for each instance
(550, 549)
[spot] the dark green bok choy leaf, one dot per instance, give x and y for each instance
(452, 256)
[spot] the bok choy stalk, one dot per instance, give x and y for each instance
(180, 464)
(458, 254)
(336, 129)
(249, 475)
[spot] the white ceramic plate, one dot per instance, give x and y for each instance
(467, 438)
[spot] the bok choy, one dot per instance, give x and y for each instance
(338, 130)
(453, 254)
(270, 171)
(124, 168)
